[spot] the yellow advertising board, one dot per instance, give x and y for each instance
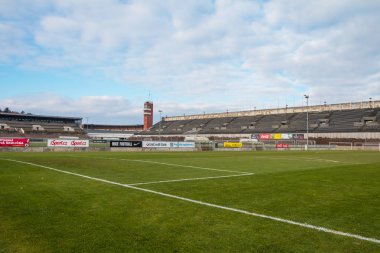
(277, 136)
(233, 145)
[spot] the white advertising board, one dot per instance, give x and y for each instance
(286, 136)
(182, 144)
(65, 143)
(166, 144)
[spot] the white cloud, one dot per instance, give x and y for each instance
(101, 109)
(306, 15)
(206, 52)
(11, 42)
(98, 108)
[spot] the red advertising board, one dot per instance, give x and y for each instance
(14, 142)
(282, 145)
(66, 143)
(265, 137)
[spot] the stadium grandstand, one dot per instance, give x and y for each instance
(359, 120)
(111, 132)
(327, 122)
(13, 124)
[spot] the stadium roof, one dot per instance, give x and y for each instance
(298, 109)
(38, 116)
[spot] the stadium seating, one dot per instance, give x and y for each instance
(19, 125)
(358, 120)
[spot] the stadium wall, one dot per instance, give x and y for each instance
(369, 135)
(354, 135)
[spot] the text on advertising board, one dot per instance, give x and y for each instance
(59, 143)
(99, 141)
(277, 136)
(182, 144)
(126, 144)
(14, 142)
(164, 144)
(233, 144)
(265, 137)
(282, 145)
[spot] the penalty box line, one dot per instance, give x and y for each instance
(299, 159)
(191, 179)
(273, 218)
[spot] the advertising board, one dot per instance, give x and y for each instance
(255, 136)
(64, 143)
(265, 137)
(282, 145)
(233, 145)
(298, 136)
(14, 142)
(278, 136)
(166, 144)
(182, 144)
(99, 141)
(155, 144)
(126, 144)
(286, 136)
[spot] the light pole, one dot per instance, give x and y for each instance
(307, 121)
(370, 102)
(159, 126)
(87, 124)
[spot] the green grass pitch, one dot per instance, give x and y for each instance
(44, 208)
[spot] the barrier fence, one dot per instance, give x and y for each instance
(77, 145)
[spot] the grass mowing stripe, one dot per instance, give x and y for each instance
(191, 179)
(168, 164)
(300, 224)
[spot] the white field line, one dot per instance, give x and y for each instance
(297, 159)
(169, 164)
(300, 224)
(191, 179)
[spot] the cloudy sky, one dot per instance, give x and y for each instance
(101, 58)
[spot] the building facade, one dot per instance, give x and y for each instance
(148, 115)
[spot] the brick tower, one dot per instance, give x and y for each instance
(148, 115)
